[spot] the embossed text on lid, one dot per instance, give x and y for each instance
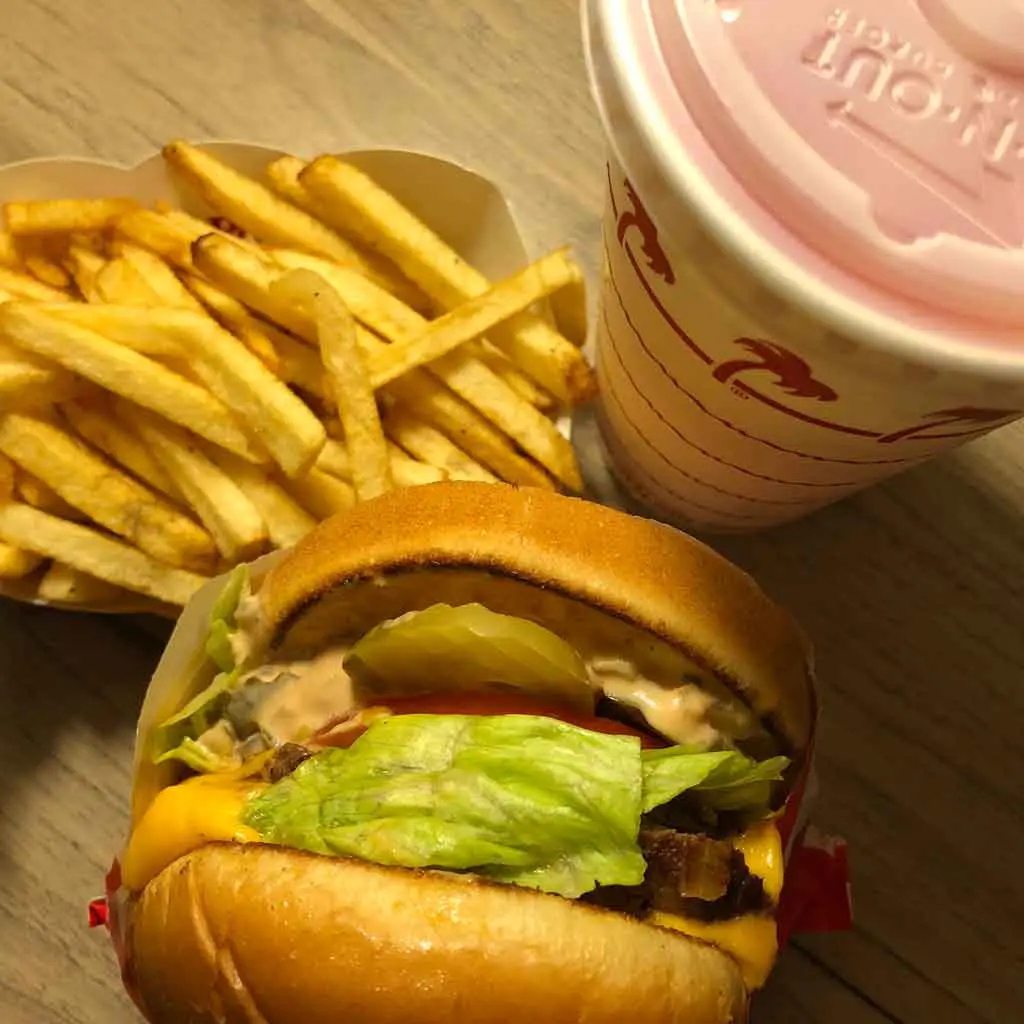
(887, 133)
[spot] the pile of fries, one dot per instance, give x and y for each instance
(180, 394)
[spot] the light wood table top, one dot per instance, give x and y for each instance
(913, 592)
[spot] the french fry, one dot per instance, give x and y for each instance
(64, 216)
(160, 234)
(7, 478)
(98, 425)
(223, 508)
(23, 286)
(10, 255)
(274, 415)
(120, 283)
(346, 370)
(283, 175)
(423, 396)
(253, 206)
(162, 281)
(432, 447)
(493, 357)
(254, 281)
(231, 314)
(95, 553)
(286, 520)
(28, 382)
(38, 494)
(47, 271)
(116, 501)
(128, 374)
(475, 317)
(347, 195)
(63, 585)
(410, 472)
(406, 471)
(85, 265)
(16, 563)
(392, 319)
(130, 325)
(323, 494)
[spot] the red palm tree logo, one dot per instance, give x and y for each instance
(979, 419)
(793, 375)
(638, 217)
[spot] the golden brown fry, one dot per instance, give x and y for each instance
(232, 519)
(16, 563)
(162, 281)
(273, 414)
(22, 286)
(85, 265)
(98, 425)
(405, 470)
(346, 369)
(420, 394)
(476, 317)
(64, 216)
(39, 494)
(10, 255)
(128, 374)
(392, 319)
(116, 501)
(253, 281)
(253, 206)
(286, 520)
(321, 493)
(47, 271)
(257, 336)
(347, 195)
(7, 478)
(28, 382)
(409, 472)
(492, 356)
(96, 554)
(63, 585)
(432, 447)
(159, 233)
(120, 283)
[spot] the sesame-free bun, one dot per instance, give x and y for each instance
(593, 575)
(260, 935)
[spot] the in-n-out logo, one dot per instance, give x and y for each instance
(879, 66)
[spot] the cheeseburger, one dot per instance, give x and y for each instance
(470, 753)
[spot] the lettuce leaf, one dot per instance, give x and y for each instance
(525, 800)
(196, 756)
(725, 780)
(222, 619)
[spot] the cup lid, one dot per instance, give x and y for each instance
(888, 136)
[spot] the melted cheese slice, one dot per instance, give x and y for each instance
(204, 809)
(752, 941)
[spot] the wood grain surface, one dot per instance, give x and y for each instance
(913, 592)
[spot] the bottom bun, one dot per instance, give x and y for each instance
(262, 935)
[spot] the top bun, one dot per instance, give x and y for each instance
(580, 568)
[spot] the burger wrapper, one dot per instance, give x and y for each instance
(467, 210)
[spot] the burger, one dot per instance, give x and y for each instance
(474, 753)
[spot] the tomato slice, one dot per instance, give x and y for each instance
(512, 704)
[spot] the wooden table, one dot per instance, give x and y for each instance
(913, 592)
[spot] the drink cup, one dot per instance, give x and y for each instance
(813, 273)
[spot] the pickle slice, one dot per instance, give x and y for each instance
(468, 647)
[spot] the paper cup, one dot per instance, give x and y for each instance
(748, 375)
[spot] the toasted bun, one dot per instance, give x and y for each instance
(551, 558)
(260, 935)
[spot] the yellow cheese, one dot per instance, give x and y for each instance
(205, 809)
(761, 847)
(751, 941)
